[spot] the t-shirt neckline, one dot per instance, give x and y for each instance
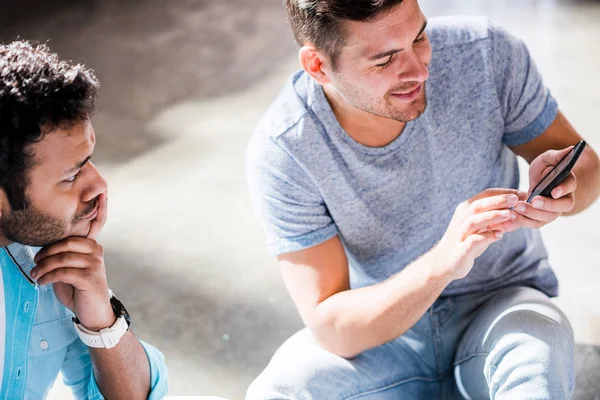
(322, 109)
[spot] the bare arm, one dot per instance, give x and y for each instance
(347, 322)
(128, 359)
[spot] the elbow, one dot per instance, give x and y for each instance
(334, 337)
(341, 351)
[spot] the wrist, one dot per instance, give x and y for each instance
(104, 318)
(436, 273)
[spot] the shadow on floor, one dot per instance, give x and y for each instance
(150, 54)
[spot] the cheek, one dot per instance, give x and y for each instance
(370, 86)
(60, 206)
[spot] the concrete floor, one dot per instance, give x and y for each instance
(184, 82)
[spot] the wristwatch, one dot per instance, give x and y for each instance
(106, 338)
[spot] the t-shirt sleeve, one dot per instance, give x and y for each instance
(527, 105)
(288, 203)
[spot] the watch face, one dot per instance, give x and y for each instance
(119, 309)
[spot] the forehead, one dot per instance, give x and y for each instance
(392, 28)
(63, 148)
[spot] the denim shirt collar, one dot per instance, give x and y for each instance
(23, 256)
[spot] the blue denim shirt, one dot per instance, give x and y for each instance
(41, 340)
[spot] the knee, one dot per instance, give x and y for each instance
(535, 333)
(534, 347)
(263, 389)
(299, 370)
(289, 383)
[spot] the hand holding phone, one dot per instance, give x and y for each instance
(558, 174)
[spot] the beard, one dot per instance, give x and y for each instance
(385, 107)
(34, 228)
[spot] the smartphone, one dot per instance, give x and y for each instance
(558, 174)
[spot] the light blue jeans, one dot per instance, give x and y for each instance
(512, 343)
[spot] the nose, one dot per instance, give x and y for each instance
(414, 69)
(96, 184)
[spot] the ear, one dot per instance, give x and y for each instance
(315, 64)
(4, 205)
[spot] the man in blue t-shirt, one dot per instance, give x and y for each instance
(385, 175)
(57, 313)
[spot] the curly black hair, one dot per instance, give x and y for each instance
(39, 92)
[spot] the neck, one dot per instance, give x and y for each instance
(4, 241)
(367, 129)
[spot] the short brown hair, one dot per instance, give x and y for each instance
(319, 21)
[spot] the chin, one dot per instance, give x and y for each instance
(415, 110)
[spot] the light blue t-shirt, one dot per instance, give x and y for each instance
(310, 181)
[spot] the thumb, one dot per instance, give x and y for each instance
(553, 157)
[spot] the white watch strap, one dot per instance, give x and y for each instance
(107, 338)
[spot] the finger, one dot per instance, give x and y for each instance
(525, 222)
(569, 185)
(74, 276)
(548, 159)
(492, 192)
(546, 204)
(71, 244)
(553, 157)
(505, 227)
(477, 222)
(61, 260)
(496, 202)
(98, 222)
(538, 214)
(478, 241)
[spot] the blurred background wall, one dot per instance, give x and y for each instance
(184, 82)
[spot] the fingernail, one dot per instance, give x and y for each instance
(521, 208)
(512, 200)
(513, 215)
(505, 213)
(558, 193)
(499, 234)
(33, 273)
(538, 204)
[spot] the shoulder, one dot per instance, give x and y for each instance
(449, 32)
(287, 110)
(287, 128)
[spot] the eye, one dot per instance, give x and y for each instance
(387, 63)
(420, 39)
(72, 178)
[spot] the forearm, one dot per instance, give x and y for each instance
(122, 372)
(587, 171)
(356, 320)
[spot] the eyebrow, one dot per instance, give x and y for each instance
(78, 166)
(388, 53)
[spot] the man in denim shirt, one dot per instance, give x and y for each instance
(57, 311)
(385, 175)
